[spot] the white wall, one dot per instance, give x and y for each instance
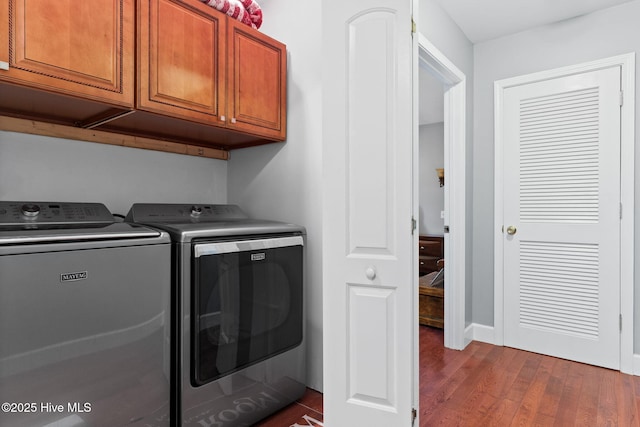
(430, 193)
(598, 35)
(52, 169)
(284, 181)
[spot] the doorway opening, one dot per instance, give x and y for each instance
(453, 84)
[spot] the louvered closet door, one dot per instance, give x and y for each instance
(562, 196)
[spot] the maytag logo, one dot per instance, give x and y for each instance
(73, 277)
(258, 257)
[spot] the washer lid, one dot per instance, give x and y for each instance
(118, 230)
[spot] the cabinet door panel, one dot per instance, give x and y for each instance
(257, 84)
(181, 60)
(71, 47)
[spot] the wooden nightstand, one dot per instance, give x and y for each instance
(430, 250)
(431, 299)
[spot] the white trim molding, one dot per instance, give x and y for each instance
(636, 364)
(455, 98)
(482, 333)
(628, 361)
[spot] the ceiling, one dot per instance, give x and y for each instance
(487, 19)
(482, 20)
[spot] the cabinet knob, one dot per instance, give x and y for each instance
(223, 119)
(511, 230)
(233, 119)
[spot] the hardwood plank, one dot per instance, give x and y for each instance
(626, 408)
(467, 398)
(481, 401)
(587, 405)
(485, 385)
(507, 373)
(449, 386)
(501, 414)
(607, 400)
(553, 390)
(568, 404)
(533, 397)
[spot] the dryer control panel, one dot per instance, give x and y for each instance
(183, 213)
(21, 214)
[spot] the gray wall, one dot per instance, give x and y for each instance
(284, 181)
(431, 195)
(52, 169)
(444, 34)
(589, 37)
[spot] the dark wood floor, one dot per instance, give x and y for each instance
(486, 385)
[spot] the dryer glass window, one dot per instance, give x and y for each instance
(247, 304)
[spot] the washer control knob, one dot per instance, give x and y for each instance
(196, 210)
(30, 210)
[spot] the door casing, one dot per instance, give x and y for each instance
(454, 80)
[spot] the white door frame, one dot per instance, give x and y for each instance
(627, 157)
(431, 59)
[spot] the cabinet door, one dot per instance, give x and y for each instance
(257, 82)
(181, 60)
(80, 48)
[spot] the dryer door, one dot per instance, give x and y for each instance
(247, 304)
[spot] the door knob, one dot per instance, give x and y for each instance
(371, 273)
(511, 230)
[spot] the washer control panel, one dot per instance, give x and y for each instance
(53, 213)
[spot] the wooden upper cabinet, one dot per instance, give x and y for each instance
(257, 82)
(79, 48)
(170, 70)
(198, 64)
(181, 48)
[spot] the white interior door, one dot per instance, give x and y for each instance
(368, 258)
(561, 195)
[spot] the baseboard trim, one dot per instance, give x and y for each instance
(636, 364)
(482, 333)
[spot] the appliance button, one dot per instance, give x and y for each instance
(30, 210)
